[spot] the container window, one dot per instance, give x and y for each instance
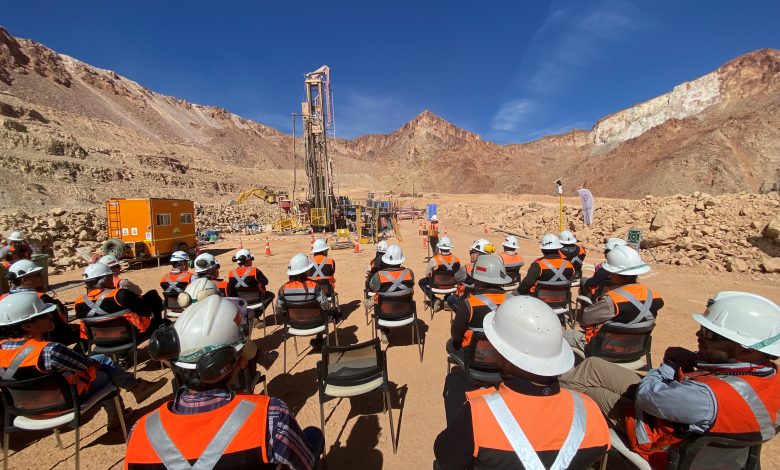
(185, 218)
(163, 219)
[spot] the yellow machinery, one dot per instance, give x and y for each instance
(267, 195)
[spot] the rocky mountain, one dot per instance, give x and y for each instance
(74, 135)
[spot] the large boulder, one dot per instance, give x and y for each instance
(667, 216)
(772, 230)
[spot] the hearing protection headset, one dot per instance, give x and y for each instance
(215, 363)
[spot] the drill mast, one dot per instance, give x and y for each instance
(317, 113)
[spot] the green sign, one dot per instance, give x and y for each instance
(634, 238)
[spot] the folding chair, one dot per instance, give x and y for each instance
(397, 312)
(349, 371)
(305, 319)
(623, 345)
(171, 305)
(331, 303)
(255, 302)
(442, 283)
(557, 295)
(514, 274)
(368, 304)
(478, 360)
(49, 402)
(111, 336)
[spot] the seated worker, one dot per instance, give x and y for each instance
(116, 268)
(478, 248)
(103, 299)
(551, 267)
(299, 289)
(443, 261)
(247, 278)
(627, 301)
(392, 279)
(489, 275)
(433, 234)
(572, 250)
(512, 259)
(593, 287)
(728, 388)
(235, 430)
(527, 422)
(324, 267)
(373, 266)
(206, 265)
(179, 278)
(16, 249)
(25, 276)
(26, 320)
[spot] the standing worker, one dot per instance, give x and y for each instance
(512, 258)
(552, 266)
(433, 234)
(529, 422)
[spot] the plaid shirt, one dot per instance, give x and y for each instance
(285, 441)
(55, 357)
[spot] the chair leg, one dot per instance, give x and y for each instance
(5, 451)
(322, 427)
(78, 445)
(285, 354)
(603, 465)
(419, 338)
(390, 415)
(120, 414)
(295, 343)
(57, 437)
(335, 333)
(135, 361)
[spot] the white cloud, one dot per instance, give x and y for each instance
(360, 113)
(512, 115)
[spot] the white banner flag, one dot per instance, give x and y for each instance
(587, 205)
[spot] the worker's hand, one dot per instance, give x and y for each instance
(681, 358)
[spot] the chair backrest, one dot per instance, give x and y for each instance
(250, 296)
(354, 365)
(712, 452)
(325, 287)
(172, 302)
(513, 273)
(443, 279)
(555, 295)
(46, 394)
(109, 331)
(617, 342)
(305, 315)
(480, 354)
(394, 308)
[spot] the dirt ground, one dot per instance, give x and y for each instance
(357, 432)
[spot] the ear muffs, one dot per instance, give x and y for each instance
(242, 259)
(164, 344)
(216, 365)
(184, 300)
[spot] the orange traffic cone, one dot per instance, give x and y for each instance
(486, 230)
(311, 241)
(267, 247)
(240, 244)
(425, 242)
(357, 244)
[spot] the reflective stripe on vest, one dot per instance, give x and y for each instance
(445, 263)
(240, 279)
(522, 446)
(172, 287)
(558, 277)
(393, 290)
(645, 316)
(171, 456)
(8, 374)
(94, 307)
(754, 403)
(488, 303)
(318, 274)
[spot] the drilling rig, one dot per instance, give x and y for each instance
(317, 114)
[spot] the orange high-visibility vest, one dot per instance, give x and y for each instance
(635, 304)
(103, 303)
(324, 268)
(174, 284)
(479, 306)
(28, 356)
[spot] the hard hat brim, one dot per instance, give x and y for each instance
(549, 367)
(50, 308)
(557, 246)
(193, 365)
(496, 281)
(632, 271)
(771, 349)
(293, 272)
(320, 250)
(396, 262)
(36, 269)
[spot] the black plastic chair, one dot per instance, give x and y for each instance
(348, 371)
(255, 302)
(171, 305)
(397, 312)
(442, 283)
(623, 345)
(478, 360)
(558, 296)
(305, 319)
(514, 274)
(112, 336)
(49, 402)
(331, 303)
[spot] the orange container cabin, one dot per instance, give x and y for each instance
(149, 227)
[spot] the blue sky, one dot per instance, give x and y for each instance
(511, 71)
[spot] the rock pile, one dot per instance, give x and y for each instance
(59, 233)
(231, 217)
(730, 232)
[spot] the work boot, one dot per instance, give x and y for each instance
(113, 417)
(437, 305)
(383, 336)
(146, 389)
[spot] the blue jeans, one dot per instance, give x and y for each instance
(108, 372)
(316, 441)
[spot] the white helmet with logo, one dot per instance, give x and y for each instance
(109, 260)
(381, 247)
(16, 236)
(207, 325)
(96, 271)
(23, 268)
(483, 246)
(567, 238)
(445, 244)
(490, 269)
(625, 261)
(299, 264)
(510, 242)
(21, 307)
(179, 256)
(320, 245)
(196, 291)
(394, 256)
(205, 262)
(550, 242)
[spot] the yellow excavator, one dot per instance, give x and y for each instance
(266, 194)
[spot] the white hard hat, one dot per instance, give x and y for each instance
(179, 256)
(393, 256)
(109, 260)
(23, 268)
(490, 269)
(445, 243)
(205, 262)
(567, 238)
(550, 242)
(242, 255)
(21, 307)
(625, 261)
(528, 334)
(748, 319)
(16, 236)
(96, 271)
(196, 291)
(205, 326)
(381, 247)
(482, 246)
(320, 244)
(613, 242)
(299, 264)
(510, 242)
(434, 217)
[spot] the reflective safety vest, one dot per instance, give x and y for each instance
(174, 284)
(575, 254)
(466, 284)
(230, 437)
(395, 282)
(433, 230)
(26, 358)
(513, 430)
(479, 306)
(324, 268)
(299, 292)
(635, 305)
(512, 261)
(748, 407)
(102, 303)
(446, 262)
(245, 279)
(555, 271)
